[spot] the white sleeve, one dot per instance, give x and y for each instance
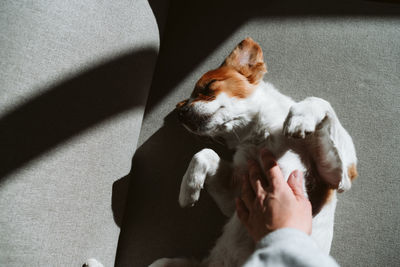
(289, 247)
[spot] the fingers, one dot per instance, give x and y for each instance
(242, 211)
(272, 170)
(257, 182)
(247, 193)
(295, 182)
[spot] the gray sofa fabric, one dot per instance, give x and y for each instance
(347, 52)
(74, 82)
(75, 76)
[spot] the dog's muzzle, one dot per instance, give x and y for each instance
(191, 120)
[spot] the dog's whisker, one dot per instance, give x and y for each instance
(237, 136)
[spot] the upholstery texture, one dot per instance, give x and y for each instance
(74, 82)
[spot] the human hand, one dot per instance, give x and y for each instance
(266, 205)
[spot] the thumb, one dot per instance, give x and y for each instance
(295, 182)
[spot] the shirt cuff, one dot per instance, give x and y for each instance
(282, 235)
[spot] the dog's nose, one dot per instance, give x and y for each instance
(183, 113)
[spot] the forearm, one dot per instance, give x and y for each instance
(288, 247)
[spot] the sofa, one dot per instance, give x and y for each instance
(92, 153)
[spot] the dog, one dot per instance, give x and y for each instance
(234, 104)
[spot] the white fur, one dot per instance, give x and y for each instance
(300, 135)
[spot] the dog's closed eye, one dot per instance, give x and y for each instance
(207, 89)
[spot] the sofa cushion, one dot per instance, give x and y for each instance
(74, 82)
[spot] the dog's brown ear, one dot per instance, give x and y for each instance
(247, 58)
(182, 103)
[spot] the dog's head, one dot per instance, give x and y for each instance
(219, 101)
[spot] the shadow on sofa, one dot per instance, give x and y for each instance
(153, 217)
(73, 107)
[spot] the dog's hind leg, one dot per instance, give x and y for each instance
(330, 146)
(208, 170)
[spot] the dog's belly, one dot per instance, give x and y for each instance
(235, 245)
(287, 159)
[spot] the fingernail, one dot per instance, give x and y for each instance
(297, 175)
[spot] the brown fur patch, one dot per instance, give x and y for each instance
(238, 76)
(247, 59)
(222, 80)
(319, 193)
(182, 103)
(352, 172)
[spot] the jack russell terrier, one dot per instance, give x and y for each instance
(234, 104)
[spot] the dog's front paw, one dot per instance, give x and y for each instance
(191, 185)
(304, 117)
(202, 164)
